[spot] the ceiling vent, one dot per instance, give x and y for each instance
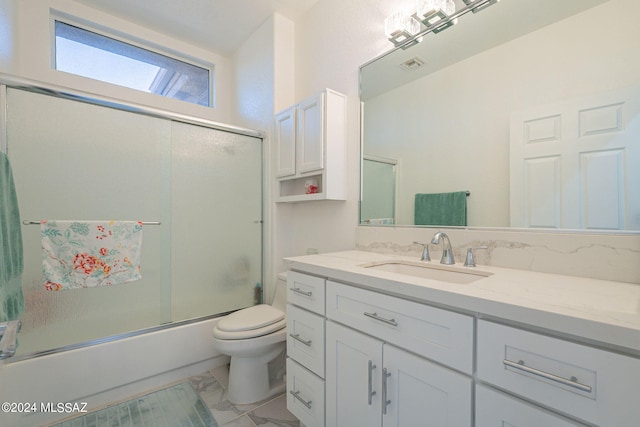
(412, 64)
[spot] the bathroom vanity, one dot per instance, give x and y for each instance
(385, 340)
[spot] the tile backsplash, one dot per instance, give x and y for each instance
(598, 256)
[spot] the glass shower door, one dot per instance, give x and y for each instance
(216, 221)
(78, 161)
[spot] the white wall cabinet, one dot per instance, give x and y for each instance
(373, 383)
(310, 146)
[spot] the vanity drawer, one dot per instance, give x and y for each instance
(591, 384)
(433, 333)
(495, 409)
(305, 338)
(305, 395)
(306, 291)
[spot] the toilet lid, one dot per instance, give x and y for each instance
(253, 333)
(248, 319)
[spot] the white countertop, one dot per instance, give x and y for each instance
(590, 310)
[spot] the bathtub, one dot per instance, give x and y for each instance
(105, 372)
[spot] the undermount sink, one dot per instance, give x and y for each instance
(441, 272)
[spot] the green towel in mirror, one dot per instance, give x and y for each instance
(446, 209)
(11, 256)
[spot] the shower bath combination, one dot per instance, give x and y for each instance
(198, 188)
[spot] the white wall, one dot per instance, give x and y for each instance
(264, 85)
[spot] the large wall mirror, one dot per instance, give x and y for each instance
(531, 108)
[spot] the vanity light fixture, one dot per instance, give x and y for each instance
(482, 7)
(431, 12)
(431, 16)
(400, 27)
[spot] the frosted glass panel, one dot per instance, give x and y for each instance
(74, 160)
(78, 161)
(216, 255)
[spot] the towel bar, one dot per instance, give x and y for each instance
(25, 222)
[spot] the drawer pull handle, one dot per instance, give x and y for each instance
(571, 382)
(370, 389)
(296, 394)
(375, 316)
(297, 338)
(301, 292)
(385, 401)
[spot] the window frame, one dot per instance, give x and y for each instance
(135, 42)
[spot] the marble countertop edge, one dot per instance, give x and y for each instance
(593, 311)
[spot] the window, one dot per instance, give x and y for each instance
(92, 55)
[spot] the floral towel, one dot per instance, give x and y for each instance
(86, 254)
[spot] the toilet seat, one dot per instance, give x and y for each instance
(250, 322)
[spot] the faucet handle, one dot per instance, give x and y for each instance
(470, 260)
(425, 251)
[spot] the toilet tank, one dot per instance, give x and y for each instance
(280, 297)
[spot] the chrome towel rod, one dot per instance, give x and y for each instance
(25, 222)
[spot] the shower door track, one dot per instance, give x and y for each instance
(63, 92)
(112, 338)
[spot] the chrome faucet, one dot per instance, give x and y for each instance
(447, 252)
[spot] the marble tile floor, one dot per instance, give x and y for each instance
(212, 388)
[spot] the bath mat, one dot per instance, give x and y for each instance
(174, 406)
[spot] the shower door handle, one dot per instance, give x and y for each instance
(9, 331)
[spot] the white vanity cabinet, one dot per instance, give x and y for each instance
(306, 348)
(310, 146)
(591, 384)
(371, 378)
(413, 352)
(496, 409)
(372, 383)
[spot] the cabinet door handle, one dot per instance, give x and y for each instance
(296, 394)
(385, 401)
(297, 338)
(301, 292)
(370, 388)
(375, 316)
(571, 382)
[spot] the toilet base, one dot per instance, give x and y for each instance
(249, 377)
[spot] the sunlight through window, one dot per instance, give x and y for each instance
(92, 55)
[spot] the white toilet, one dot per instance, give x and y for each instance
(255, 338)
